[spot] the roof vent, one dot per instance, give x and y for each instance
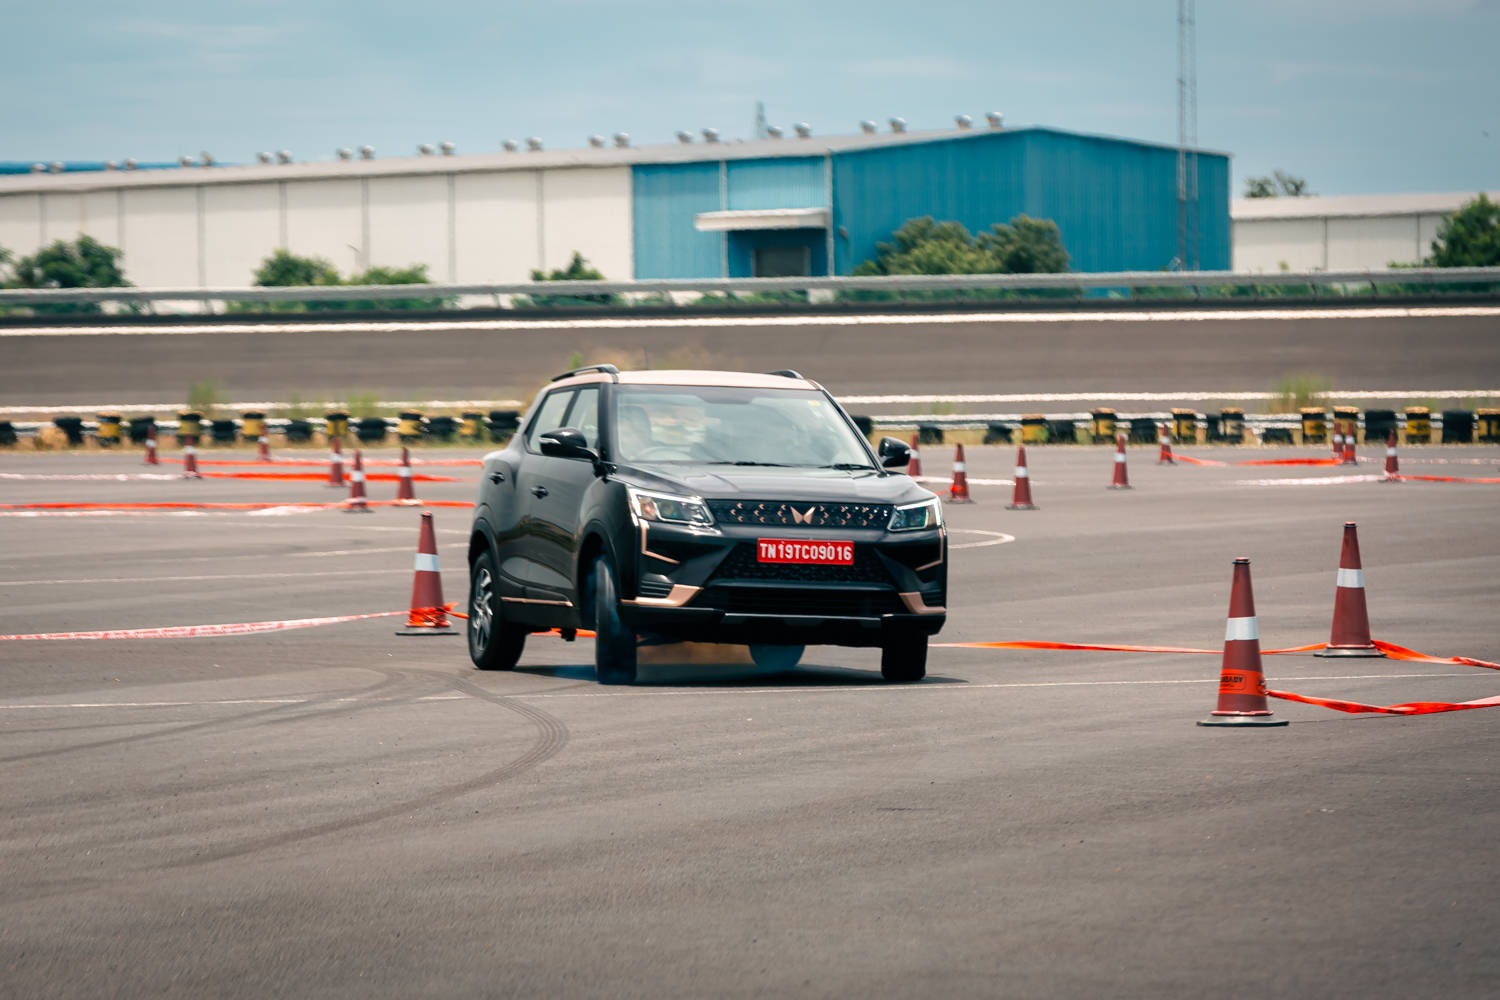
(367, 152)
(802, 129)
(534, 144)
(596, 141)
(684, 136)
(995, 118)
(448, 148)
(426, 149)
(39, 168)
(263, 157)
(345, 153)
(773, 131)
(898, 125)
(510, 145)
(283, 156)
(206, 159)
(111, 165)
(184, 161)
(622, 139)
(867, 127)
(963, 121)
(710, 135)
(130, 163)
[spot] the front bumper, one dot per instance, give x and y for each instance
(708, 585)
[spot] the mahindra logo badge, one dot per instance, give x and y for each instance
(804, 517)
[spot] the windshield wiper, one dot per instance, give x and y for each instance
(779, 465)
(849, 466)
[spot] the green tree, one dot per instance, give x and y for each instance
(578, 269)
(284, 269)
(1278, 184)
(925, 246)
(1469, 237)
(80, 263)
(415, 274)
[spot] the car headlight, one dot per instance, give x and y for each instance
(913, 516)
(669, 509)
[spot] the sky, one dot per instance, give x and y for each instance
(1355, 96)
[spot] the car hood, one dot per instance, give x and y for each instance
(719, 482)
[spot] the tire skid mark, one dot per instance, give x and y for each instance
(391, 678)
(552, 736)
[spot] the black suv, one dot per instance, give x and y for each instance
(702, 506)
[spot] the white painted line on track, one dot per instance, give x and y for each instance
(730, 322)
(648, 692)
(197, 579)
(1310, 481)
(996, 537)
(119, 477)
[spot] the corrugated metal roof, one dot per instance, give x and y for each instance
(697, 152)
(1319, 207)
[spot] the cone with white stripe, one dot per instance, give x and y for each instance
(190, 458)
(1350, 635)
(262, 448)
(1338, 440)
(959, 491)
(335, 463)
(358, 502)
(1022, 498)
(1348, 457)
(1122, 478)
(1165, 440)
(429, 615)
(1242, 683)
(914, 467)
(1392, 468)
(404, 495)
(151, 458)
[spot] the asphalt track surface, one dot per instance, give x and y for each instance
(1206, 359)
(341, 812)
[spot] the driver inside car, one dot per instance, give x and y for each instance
(634, 432)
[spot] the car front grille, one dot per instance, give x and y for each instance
(792, 514)
(742, 564)
(844, 603)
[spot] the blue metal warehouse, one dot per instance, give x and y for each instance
(757, 208)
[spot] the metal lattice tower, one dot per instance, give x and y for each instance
(761, 131)
(1187, 135)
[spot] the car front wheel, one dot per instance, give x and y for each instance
(614, 644)
(494, 644)
(903, 657)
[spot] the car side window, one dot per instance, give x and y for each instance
(584, 414)
(549, 417)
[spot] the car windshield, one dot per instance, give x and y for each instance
(733, 426)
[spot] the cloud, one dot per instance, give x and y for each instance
(910, 68)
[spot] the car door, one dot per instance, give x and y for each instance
(520, 556)
(555, 490)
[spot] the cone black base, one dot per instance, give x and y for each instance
(1022, 506)
(1242, 720)
(1114, 486)
(1339, 651)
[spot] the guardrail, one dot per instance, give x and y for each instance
(1129, 284)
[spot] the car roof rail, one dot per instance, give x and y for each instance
(610, 370)
(786, 373)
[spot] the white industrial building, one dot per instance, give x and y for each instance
(1343, 233)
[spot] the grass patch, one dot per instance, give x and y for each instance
(203, 397)
(364, 404)
(1292, 392)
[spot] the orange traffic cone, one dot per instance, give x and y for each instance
(1392, 469)
(1242, 684)
(404, 495)
(357, 500)
(190, 458)
(151, 458)
(262, 448)
(1165, 458)
(1022, 498)
(959, 492)
(336, 464)
(914, 467)
(1338, 441)
(1122, 478)
(429, 615)
(1350, 635)
(1348, 457)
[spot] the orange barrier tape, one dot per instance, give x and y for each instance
(1197, 461)
(184, 505)
(1449, 479)
(582, 633)
(1402, 653)
(374, 477)
(1291, 461)
(1082, 647)
(204, 631)
(1408, 708)
(323, 462)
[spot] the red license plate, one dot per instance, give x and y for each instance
(785, 550)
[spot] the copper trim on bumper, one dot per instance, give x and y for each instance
(679, 596)
(913, 602)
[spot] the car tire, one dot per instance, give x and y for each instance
(494, 643)
(903, 657)
(614, 644)
(776, 657)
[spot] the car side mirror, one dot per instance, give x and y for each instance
(566, 442)
(894, 454)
